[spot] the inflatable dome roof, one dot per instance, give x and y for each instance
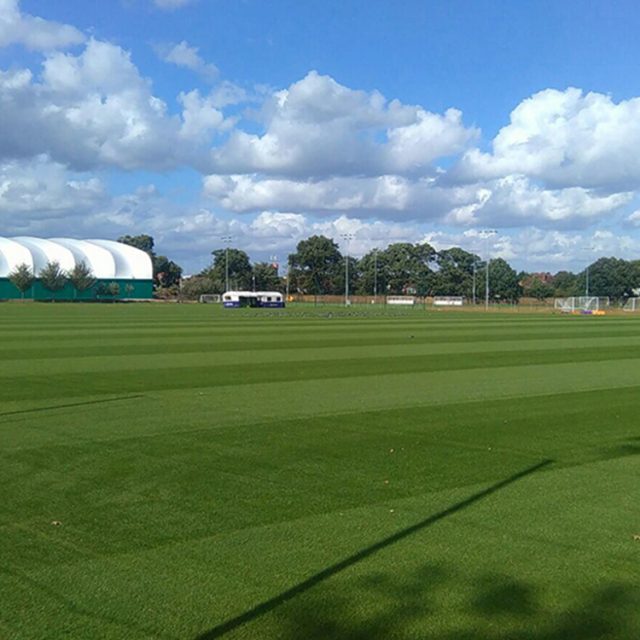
(105, 258)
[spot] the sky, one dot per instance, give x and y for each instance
(370, 122)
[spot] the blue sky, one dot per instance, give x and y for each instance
(271, 121)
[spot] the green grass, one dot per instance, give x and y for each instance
(318, 473)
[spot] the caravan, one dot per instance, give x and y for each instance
(269, 299)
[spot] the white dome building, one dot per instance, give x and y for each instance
(120, 271)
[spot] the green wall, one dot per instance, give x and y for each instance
(128, 289)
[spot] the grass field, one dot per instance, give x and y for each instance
(316, 475)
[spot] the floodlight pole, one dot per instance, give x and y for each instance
(486, 234)
(475, 266)
(346, 237)
(375, 274)
(587, 283)
(288, 274)
(586, 293)
(227, 240)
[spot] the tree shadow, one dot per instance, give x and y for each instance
(304, 586)
(627, 447)
(497, 607)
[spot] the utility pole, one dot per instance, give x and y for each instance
(486, 234)
(590, 249)
(346, 237)
(227, 240)
(375, 274)
(475, 265)
(288, 274)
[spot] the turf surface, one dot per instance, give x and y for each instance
(317, 474)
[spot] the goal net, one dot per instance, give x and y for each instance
(632, 304)
(581, 303)
(448, 301)
(209, 297)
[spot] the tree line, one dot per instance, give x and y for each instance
(53, 278)
(317, 267)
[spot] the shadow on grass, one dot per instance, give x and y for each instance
(268, 605)
(69, 405)
(627, 447)
(419, 606)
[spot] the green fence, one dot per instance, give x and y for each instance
(108, 289)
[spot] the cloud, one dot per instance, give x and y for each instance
(539, 249)
(183, 55)
(195, 235)
(200, 117)
(565, 139)
(511, 201)
(170, 5)
(516, 200)
(94, 110)
(45, 189)
(389, 195)
(33, 32)
(314, 157)
(319, 128)
(40, 197)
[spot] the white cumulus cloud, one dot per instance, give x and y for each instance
(184, 55)
(33, 32)
(95, 109)
(170, 5)
(566, 139)
(318, 127)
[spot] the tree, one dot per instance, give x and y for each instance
(455, 273)
(142, 242)
(316, 265)
(539, 290)
(81, 277)
(408, 267)
(372, 274)
(22, 278)
(565, 284)
(166, 272)
(610, 277)
(52, 277)
(110, 290)
(239, 270)
(503, 281)
(192, 288)
(265, 277)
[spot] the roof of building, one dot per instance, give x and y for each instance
(105, 258)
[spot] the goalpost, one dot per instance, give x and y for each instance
(209, 298)
(579, 304)
(632, 304)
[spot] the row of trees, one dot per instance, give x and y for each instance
(317, 267)
(53, 278)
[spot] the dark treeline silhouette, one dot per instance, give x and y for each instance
(318, 267)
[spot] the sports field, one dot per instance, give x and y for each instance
(182, 471)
